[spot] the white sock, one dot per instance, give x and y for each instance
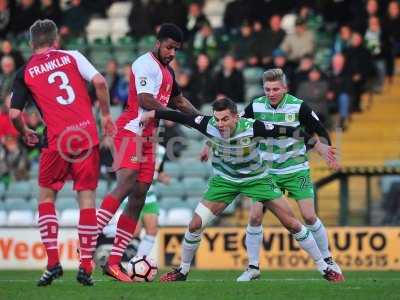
(146, 244)
(308, 244)
(254, 237)
(321, 237)
(191, 242)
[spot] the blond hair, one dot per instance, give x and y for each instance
(276, 74)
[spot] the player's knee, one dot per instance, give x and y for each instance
(195, 224)
(293, 225)
(256, 218)
(309, 218)
(151, 229)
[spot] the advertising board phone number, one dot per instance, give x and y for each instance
(368, 260)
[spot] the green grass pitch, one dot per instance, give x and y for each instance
(208, 285)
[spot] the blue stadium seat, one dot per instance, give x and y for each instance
(195, 169)
(174, 189)
(194, 186)
(172, 202)
(67, 190)
(102, 188)
(22, 189)
(173, 169)
(64, 203)
(15, 203)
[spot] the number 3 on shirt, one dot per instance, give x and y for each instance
(63, 86)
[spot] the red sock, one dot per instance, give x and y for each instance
(87, 232)
(106, 211)
(125, 229)
(48, 226)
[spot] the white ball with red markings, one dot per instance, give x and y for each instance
(142, 268)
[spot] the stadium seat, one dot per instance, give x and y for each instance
(67, 190)
(174, 189)
(98, 28)
(191, 133)
(193, 201)
(34, 171)
(119, 28)
(119, 10)
(69, 217)
(162, 217)
(196, 169)
(173, 169)
(172, 202)
(20, 218)
(253, 91)
(21, 189)
(253, 75)
(102, 188)
(15, 203)
(194, 186)
(178, 217)
(64, 203)
(3, 218)
(146, 43)
(78, 43)
(115, 111)
(2, 190)
(3, 214)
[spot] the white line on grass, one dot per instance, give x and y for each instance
(205, 280)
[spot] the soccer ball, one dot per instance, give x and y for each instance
(142, 268)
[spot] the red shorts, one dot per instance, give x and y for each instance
(56, 167)
(135, 153)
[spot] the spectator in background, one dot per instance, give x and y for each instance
(392, 27)
(236, 12)
(6, 127)
(244, 47)
(26, 13)
(343, 39)
(74, 20)
(203, 86)
(377, 43)
(185, 82)
(50, 9)
(195, 19)
(266, 41)
(6, 77)
(314, 91)
(34, 122)
(361, 17)
(340, 88)
(301, 73)
(7, 49)
(139, 20)
(14, 160)
(280, 61)
(299, 43)
(112, 77)
(361, 68)
(122, 87)
(229, 81)
(5, 18)
(205, 41)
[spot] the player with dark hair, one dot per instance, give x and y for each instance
(55, 80)
(152, 86)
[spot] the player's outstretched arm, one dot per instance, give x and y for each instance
(184, 105)
(268, 130)
(148, 102)
(198, 122)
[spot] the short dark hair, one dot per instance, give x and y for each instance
(43, 33)
(225, 103)
(169, 30)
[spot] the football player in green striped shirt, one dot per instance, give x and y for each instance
(238, 169)
(288, 164)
